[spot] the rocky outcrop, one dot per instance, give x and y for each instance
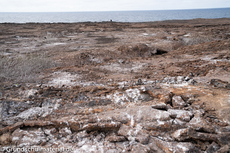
(115, 87)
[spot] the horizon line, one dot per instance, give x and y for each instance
(121, 10)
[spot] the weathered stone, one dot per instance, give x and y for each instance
(224, 149)
(192, 82)
(181, 134)
(153, 146)
(115, 138)
(112, 151)
(161, 106)
(212, 148)
(169, 147)
(220, 84)
(51, 133)
(102, 127)
(13, 108)
(178, 102)
(202, 136)
(166, 98)
(143, 138)
(64, 132)
(149, 114)
(137, 114)
(31, 113)
(179, 123)
(5, 139)
(38, 123)
(200, 124)
(23, 138)
(158, 125)
(134, 134)
(181, 114)
(225, 129)
(140, 148)
(81, 135)
(224, 138)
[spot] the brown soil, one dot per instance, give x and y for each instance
(94, 61)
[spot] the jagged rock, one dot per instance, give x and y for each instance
(212, 148)
(179, 123)
(13, 108)
(168, 147)
(181, 114)
(65, 131)
(135, 114)
(220, 84)
(139, 82)
(134, 134)
(112, 151)
(224, 138)
(192, 82)
(200, 124)
(165, 98)
(180, 79)
(100, 102)
(140, 148)
(181, 134)
(81, 135)
(5, 139)
(51, 133)
(161, 106)
(35, 112)
(202, 136)
(158, 125)
(102, 126)
(153, 146)
(224, 149)
(149, 114)
(115, 138)
(225, 129)
(187, 78)
(25, 138)
(177, 101)
(31, 113)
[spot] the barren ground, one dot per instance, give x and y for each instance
(116, 87)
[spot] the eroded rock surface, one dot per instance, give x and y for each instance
(120, 87)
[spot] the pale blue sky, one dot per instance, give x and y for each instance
(106, 5)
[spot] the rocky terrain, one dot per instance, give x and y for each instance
(156, 87)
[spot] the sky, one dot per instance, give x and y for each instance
(106, 5)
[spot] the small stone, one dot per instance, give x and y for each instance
(180, 79)
(139, 82)
(187, 78)
(64, 132)
(192, 82)
(177, 101)
(40, 91)
(212, 148)
(139, 148)
(181, 134)
(181, 114)
(5, 139)
(160, 106)
(115, 138)
(112, 151)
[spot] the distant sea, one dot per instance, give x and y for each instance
(117, 16)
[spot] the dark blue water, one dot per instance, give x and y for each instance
(119, 16)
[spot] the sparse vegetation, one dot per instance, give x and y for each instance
(24, 68)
